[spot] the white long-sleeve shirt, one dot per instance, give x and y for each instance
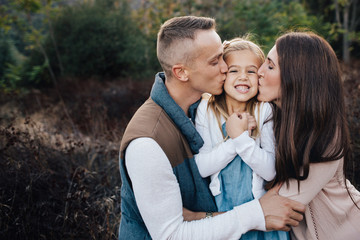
(216, 153)
(157, 195)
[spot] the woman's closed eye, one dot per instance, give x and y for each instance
(270, 65)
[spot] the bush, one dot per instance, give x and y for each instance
(57, 187)
(267, 19)
(9, 71)
(6, 56)
(96, 40)
(11, 64)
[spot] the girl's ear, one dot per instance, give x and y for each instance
(180, 72)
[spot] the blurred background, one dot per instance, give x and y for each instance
(73, 72)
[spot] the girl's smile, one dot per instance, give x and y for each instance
(241, 82)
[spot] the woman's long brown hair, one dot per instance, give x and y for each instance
(311, 125)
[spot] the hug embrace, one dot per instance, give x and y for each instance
(261, 155)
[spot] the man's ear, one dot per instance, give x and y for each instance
(180, 72)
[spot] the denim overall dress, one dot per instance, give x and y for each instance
(236, 189)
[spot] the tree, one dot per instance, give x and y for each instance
(347, 20)
(267, 19)
(343, 15)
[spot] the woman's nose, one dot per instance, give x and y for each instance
(260, 71)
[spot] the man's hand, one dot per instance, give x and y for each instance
(280, 213)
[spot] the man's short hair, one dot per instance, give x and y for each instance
(175, 38)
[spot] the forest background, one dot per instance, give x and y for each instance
(72, 73)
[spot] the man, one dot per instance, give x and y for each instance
(158, 171)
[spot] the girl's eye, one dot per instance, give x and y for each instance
(233, 71)
(270, 67)
(251, 71)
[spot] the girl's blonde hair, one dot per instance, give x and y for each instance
(217, 103)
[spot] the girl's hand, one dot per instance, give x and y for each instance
(236, 124)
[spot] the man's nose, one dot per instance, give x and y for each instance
(223, 66)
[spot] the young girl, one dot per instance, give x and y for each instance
(237, 159)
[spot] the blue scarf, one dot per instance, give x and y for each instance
(161, 96)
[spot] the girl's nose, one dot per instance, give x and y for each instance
(243, 75)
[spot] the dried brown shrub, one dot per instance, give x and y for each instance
(59, 176)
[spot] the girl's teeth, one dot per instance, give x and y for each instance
(242, 89)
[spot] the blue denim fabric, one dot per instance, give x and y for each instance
(160, 96)
(194, 189)
(195, 192)
(131, 225)
(236, 189)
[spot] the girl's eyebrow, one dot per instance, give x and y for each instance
(234, 65)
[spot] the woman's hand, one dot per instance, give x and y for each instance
(251, 123)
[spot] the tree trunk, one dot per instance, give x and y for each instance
(346, 40)
(344, 26)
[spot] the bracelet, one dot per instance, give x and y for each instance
(208, 214)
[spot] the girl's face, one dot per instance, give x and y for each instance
(269, 79)
(241, 82)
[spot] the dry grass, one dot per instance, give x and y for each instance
(59, 175)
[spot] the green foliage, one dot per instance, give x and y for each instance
(15, 75)
(5, 18)
(6, 56)
(10, 64)
(29, 6)
(117, 38)
(268, 19)
(11, 78)
(97, 40)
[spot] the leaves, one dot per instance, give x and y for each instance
(112, 38)
(28, 6)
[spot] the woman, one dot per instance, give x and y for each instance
(301, 77)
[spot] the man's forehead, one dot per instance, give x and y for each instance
(207, 44)
(209, 53)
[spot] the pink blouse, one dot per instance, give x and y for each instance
(330, 212)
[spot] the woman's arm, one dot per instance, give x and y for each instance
(319, 175)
